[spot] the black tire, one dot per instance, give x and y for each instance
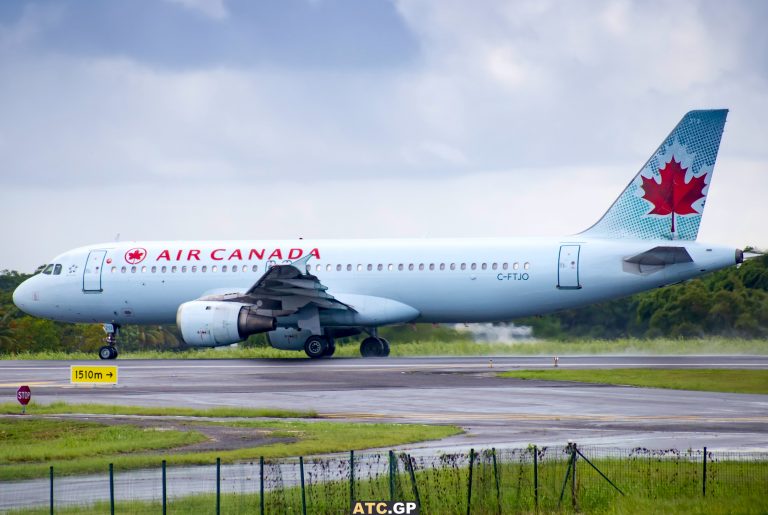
(330, 350)
(107, 352)
(316, 346)
(114, 353)
(385, 348)
(371, 348)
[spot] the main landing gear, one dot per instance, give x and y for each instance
(374, 347)
(109, 351)
(318, 346)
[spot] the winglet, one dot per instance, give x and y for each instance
(301, 263)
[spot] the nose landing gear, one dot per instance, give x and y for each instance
(109, 351)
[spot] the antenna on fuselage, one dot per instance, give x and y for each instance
(117, 237)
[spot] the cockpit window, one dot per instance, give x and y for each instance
(48, 269)
(57, 270)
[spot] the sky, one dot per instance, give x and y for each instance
(235, 119)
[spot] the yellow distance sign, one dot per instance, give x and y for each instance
(89, 374)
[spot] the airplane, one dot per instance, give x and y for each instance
(306, 294)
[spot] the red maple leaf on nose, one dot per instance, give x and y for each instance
(673, 195)
(135, 255)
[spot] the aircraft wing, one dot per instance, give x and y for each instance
(284, 290)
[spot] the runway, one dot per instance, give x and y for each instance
(462, 391)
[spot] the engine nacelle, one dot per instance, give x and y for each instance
(213, 323)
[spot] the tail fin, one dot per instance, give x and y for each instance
(666, 198)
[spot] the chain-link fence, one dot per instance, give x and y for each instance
(524, 480)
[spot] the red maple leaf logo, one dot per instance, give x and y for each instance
(673, 195)
(134, 256)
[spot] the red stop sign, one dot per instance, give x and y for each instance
(23, 395)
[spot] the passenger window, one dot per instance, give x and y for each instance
(527, 265)
(144, 270)
(442, 266)
(410, 267)
(173, 269)
(223, 268)
(474, 266)
(504, 266)
(122, 270)
(114, 269)
(453, 266)
(204, 268)
(463, 266)
(327, 268)
(370, 267)
(234, 268)
(421, 267)
(184, 270)
(244, 268)
(254, 268)
(338, 268)
(484, 266)
(380, 267)
(318, 268)
(390, 267)
(309, 268)
(359, 268)
(133, 269)
(163, 270)
(214, 268)
(494, 266)
(515, 266)
(194, 269)
(431, 266)
(154, 269)
(400, 267)
(57, 270)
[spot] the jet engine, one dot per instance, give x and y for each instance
(213, 323)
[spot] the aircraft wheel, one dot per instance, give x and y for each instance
(330, 349)
(371, 348)
(385, 348)
(316, 346)
(107, 352)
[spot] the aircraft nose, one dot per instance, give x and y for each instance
(22, 296)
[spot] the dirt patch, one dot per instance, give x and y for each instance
(219, 437)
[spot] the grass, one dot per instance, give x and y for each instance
(651, 484)
(709, 380)
(28, 446)
(451, 348)
(59, 407)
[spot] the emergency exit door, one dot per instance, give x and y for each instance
(568, 267)
(92, 271)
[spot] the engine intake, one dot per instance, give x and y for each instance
(214, 323)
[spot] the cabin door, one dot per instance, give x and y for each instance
(92, 271)
(568, 267)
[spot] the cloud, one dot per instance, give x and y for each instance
(421, 117)
(215, 9)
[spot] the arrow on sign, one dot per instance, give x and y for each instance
(110, 374)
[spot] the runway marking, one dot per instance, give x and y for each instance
(537, 417)
(37, 384)
(445, 366)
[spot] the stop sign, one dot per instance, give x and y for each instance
(23, 395)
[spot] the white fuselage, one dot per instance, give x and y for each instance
(443, 280)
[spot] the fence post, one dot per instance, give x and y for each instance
(392, 465)
(536, 477)
(303, 494)
(704, 476)
(111, 489)
(469, 485)
(413, 479)
(351, 478)
(573, 477)
(51, 475)
(165, 497)
(218, 486)
(261, 485)
(496, 476)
